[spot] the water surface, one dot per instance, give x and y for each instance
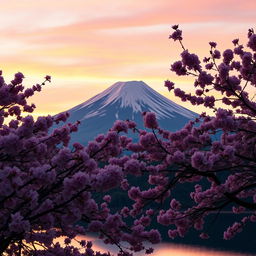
(166, 249)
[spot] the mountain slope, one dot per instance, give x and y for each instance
(126, 100)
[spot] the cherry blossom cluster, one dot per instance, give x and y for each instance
(48, 186)
(217, 150)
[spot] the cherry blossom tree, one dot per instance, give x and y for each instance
(50, 189)
(46, 187)
(215, 153)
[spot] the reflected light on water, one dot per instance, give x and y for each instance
(163, 249)
(181, 250)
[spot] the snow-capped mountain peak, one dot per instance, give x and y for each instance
(135, 95)
(126, 100)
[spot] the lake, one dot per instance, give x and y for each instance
(166, 249)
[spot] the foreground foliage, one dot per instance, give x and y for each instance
(50, 189)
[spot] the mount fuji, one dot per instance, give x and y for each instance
(125, 100)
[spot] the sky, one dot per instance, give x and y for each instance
(87, 45)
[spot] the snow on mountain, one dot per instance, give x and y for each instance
(126, 100)
(136, 95)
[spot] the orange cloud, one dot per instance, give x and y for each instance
(88, 45)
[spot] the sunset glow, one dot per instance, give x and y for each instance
(163, 249)
(87, 46)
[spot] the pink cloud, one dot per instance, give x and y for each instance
(95, 39)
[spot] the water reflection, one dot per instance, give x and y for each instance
(170, 249)
(166, 249)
